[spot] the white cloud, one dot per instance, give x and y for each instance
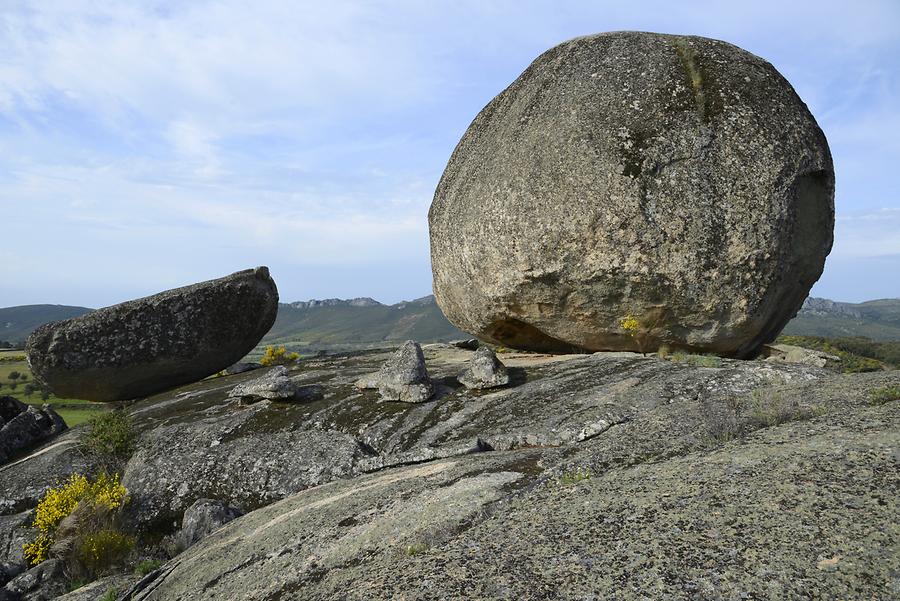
(873, 234)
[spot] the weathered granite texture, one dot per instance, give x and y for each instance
(24, 426)
(609, 475)
(677, 179)
(155, 343)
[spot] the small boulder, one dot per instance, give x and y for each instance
(404, 376)
(151, 344)
(9, 570)
(485, 370)
(203, 517)
(275, 385)
(23, 426)
(789, 353)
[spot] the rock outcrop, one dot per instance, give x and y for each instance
(484, 371)
(155, 343)
(608, 474)
(24, 426)
(676, 179)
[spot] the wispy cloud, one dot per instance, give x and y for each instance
(206, 136)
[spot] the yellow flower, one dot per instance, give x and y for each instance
(630, 324)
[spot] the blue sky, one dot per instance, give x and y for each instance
(147, 145)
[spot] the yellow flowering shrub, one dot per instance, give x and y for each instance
(105, 492)
(278, 356)
(630, 324)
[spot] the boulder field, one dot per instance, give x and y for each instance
(147, 345)
(606, 475)
(676, 180)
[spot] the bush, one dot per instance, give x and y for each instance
(110, 437)
(883, 395)
(147, 566)
(278, 356)
(14, 375)
(575, 476)
(104, 495)
(643, 330)
(770, 408)
(110, 595)
(98, 550)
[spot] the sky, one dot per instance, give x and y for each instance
(146, 145)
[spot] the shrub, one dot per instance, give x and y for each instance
(643, 329)
(278, 356)
(722, 420)
(883, 395)
(104, 494)
(110, 595)
(147, 566)
(769, 408)
(14, 375)
(415, 549)
(110, 437)
(98, 550)
(575, 476)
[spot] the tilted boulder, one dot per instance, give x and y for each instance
(485, 370)
(23, 426)
(676, 179)
(144, 346)
(404, 376)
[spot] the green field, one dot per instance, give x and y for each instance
(73, 411)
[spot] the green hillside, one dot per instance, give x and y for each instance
(342, 325)
(16, 323)
(877, 319)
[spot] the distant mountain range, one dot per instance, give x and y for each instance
(333, 324)
(876, 319)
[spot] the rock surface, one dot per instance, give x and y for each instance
(203, 517)
(804, 509)
(484, 371)
(404, 377)
(24, 426)
(677, 179)
(151, 344)
(609, 475)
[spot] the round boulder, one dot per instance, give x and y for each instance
(631, 190)
(148, 345)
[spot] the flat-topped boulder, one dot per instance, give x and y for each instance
(151, 344)
(677, 180)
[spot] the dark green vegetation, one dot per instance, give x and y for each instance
(24, 388)
(110, 437)
(877, 319)
(346, 326)
(857, 354)
(883, 395)
(16, 323)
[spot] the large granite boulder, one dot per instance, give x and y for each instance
(151, 344)
(24, 426)
(676, 179)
